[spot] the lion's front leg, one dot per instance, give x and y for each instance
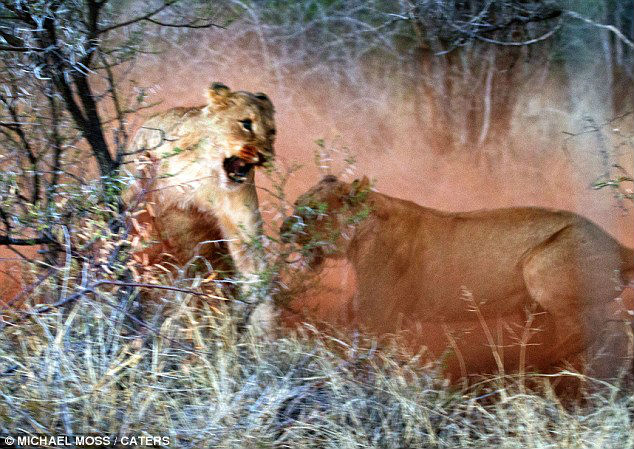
(242, 228)
(256, 303)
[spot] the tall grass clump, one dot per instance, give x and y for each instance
(120, 353)
(192, 377)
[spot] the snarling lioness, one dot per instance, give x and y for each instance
(200, 179)
(414, 263)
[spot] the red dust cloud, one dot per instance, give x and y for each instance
(534, 156)
(535, 160)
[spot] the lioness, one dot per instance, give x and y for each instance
(414, 263)
(200, 182)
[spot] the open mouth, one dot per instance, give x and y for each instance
(237, 169)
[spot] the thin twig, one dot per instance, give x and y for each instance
(611, 28)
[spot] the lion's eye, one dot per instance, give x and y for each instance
(247, 124)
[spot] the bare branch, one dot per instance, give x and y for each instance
(6, 240)
(541, 38)
(142, 18)
(19, 49)
(16, 127)
(191, 25)
(610, 28)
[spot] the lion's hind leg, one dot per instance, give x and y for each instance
(572, 276)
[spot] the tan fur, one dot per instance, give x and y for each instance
(418, 265)
(191, 196)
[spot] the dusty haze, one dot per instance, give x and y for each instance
(533, 158)
(537, 162)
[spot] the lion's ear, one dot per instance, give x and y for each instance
(362, 184)
(328, 179)
(262, 96)
(359, 187)
(218, 95)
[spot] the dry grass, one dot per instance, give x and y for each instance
(193, 378)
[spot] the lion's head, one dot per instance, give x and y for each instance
(324, 218)
(197, 173)
(244, 130)
(224, 139)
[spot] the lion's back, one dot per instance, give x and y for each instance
(163, 128)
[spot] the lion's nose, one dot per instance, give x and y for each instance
(285, 230)
(293, 230)
(288, 230)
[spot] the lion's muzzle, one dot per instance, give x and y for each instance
(293, 230)
(238, 167)
(254, 155)
(250, 154)
(286, 233)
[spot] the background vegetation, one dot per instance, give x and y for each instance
(425, 82)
